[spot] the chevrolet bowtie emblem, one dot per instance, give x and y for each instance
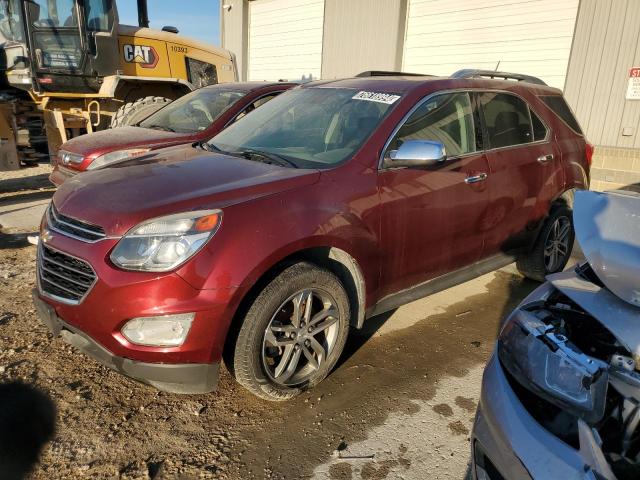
(45, 236)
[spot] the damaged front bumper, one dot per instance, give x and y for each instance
(561, 394)
(509, 443)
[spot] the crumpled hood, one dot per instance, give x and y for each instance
(618, 316)
(119, 138)
(172, 180)
(607, 227)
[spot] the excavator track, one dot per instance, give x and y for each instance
(27, 122)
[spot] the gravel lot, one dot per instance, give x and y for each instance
(399, 405)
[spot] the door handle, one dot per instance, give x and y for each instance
(545, 158)
(481, 177)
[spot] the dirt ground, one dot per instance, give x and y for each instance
(399, 405)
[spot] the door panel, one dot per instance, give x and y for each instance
(430, 215)
(525, 172)
(430, 221)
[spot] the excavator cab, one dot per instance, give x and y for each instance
(67, 45)
(12, 39)
(68, 67)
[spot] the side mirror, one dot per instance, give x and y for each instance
(417, 153)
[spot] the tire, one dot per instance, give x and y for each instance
(256, 359)
(134, 112)
(537, 264)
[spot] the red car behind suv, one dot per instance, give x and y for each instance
(334, 202)
(195, 117)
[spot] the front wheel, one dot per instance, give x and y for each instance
(553, 247)
(293, 333)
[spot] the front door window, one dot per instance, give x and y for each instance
(447, 119)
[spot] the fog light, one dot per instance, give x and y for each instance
(160, 331)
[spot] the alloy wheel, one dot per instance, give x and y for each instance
(556, 247)
(300, 337)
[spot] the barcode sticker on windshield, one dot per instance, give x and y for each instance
(387, 98)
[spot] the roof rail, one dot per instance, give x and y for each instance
(383, 73)
(472, 73)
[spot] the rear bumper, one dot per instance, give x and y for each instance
(190, 378)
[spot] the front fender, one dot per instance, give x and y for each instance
(257, 235)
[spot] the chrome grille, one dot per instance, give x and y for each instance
(62, 276)
(72, 227)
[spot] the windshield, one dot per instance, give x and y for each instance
(314, 127)
(193, 112)
(55, 13)
(10, 24)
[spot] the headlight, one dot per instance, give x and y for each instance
(546, 364)
(109, 158)
(160, 331)
(164, 243)
(67, 158)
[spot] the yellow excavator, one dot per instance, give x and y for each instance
(68, 67)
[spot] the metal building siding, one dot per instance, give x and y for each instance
(285, 39)
(606, 46)
(234, 20)
(525, 36)
(362, 35)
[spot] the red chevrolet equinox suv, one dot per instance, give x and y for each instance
(333, 202)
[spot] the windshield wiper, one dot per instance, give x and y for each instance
(160, 127)
(204, 146)
(267, 157)
(209, 147)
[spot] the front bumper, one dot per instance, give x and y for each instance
(59, 175)
(175, 378)
(514, 442)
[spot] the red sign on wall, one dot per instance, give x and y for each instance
(633, 88)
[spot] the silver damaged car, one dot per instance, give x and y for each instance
(561, 393)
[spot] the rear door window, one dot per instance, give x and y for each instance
(507, 119)
(447, 118)
(561, 109)
(539, 128)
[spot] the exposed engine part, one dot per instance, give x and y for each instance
(616, 437)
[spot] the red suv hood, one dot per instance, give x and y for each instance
(105, 141)
(172, 180)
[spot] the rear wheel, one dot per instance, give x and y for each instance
(134, 112)
(293, 333)
(553, 247)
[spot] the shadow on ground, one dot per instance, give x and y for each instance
(15, 240)
(27, 197)
(20, 184)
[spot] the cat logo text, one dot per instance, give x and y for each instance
(145, 56)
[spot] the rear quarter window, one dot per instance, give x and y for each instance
(559, 106)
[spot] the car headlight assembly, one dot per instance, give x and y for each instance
(113, 157)
(548, 365)
(68, 158)
(163, 244)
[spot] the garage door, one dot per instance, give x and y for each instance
(285, 39)
(525, 36)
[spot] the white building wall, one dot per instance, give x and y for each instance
(525, 36)
(285, 39)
